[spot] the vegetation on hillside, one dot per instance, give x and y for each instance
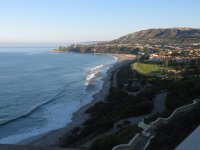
(125, 76)
(118, 105)
(183, 92)
(124, 135)
(182, 85)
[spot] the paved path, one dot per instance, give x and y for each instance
(114, 82)
(141, 143)
(123, 63)
(159, 106)
(159, 102)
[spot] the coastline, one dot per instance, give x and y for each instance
(56, 137)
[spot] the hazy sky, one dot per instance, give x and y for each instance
(52, 21)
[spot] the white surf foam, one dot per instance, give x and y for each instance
(116, 58)
(92, 74)
(55, 118)
(96, 67)
(55, 113)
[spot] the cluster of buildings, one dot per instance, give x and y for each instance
(177, 57)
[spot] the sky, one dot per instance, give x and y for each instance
(69, 21)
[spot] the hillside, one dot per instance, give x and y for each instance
(151, 39)
(161, 34)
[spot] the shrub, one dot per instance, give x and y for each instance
(183, 92)
(122, 137)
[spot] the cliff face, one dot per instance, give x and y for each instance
(138, 40)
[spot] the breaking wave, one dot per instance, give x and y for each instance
(92, 74)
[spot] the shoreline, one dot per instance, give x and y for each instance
(56, 137)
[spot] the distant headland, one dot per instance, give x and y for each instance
(141, 41)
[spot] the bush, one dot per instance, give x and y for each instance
(139, 109)
(105, 143)
(183, 92)
(152, 118)
(148, 93)
(116, 95)
(122, 137)
(123, 76)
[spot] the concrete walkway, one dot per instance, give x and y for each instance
(141, 143)
(159, 102)
(159, 106)
(114, 82)
(123, 63)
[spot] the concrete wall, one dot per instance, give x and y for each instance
(149, 129)
(131, 143)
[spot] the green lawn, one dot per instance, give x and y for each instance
(147, 68)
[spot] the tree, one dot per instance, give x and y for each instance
(166, 62)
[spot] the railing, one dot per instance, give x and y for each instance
(149, 129)
(131, 143)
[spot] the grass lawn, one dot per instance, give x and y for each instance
(147, 68)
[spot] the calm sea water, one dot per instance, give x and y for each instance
(39, 91)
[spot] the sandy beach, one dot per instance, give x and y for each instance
(56, 137)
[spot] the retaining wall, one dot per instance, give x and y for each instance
(149, 129)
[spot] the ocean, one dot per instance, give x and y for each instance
(39, 91)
